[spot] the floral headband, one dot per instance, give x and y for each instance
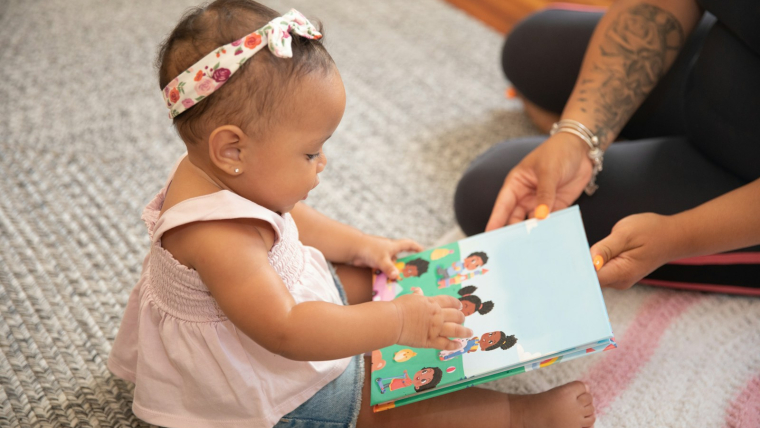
(213, 70)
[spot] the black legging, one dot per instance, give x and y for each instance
(696, 135)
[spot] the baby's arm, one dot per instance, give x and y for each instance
(344, 244)
(231, 258)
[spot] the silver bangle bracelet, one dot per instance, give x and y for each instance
(595, 152)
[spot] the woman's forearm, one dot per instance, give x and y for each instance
(729, 222)
(632, 47)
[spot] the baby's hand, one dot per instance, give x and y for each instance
(429, 322)
(379, 253)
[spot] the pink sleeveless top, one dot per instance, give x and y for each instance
(191, 366)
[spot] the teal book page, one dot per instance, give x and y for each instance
(529, 293)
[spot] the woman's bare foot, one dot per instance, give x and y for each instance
(569, 405)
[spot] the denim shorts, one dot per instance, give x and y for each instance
(337, 404)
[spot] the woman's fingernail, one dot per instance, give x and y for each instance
(598, 262)
(542, 211)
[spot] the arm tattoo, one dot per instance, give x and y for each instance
(635, 51)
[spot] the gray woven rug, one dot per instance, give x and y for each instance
(85, 143)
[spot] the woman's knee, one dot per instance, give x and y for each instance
(543, 54)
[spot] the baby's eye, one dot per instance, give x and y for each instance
(423, 381)
(312, 156)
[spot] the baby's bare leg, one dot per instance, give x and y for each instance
(569, 405)
(357, 283)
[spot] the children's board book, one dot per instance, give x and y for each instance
(529, 293)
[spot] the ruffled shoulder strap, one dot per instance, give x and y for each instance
(153, 209)
(221, 205)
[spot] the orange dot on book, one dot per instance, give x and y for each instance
(598, 262)
(542, 211)
(510, 93)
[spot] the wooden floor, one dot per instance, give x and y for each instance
(502, 15)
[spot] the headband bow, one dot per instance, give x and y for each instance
(213, 70)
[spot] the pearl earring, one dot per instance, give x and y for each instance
(237, 170)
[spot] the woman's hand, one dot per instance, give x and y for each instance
(554, 174)
(380, 253)
(637, 245)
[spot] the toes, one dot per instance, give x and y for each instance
(585, 399)
(578, 388)
(589, 421)
(589, 410)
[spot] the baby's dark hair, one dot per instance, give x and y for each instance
(480, 254)
(482, 307)
(506, 342)
(258, 88)
(420, 264)
(437, 375)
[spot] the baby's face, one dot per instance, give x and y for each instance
(283, 169)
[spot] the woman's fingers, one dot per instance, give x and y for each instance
(546, 192)
(603, 253)
(502, 208)
(518, 215)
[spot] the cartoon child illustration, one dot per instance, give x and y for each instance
(424, 379)
(471, 303)
(465, 346)
(415, 267)
(486, 342)
(472, 262)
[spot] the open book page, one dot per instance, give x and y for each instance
(529, 291)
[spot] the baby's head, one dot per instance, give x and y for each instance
(257, 130)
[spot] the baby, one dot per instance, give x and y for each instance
(238, 320)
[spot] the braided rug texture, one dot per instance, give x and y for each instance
(85, 143)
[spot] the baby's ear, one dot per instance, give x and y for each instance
(224, 146)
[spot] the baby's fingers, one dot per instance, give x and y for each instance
(444, 344)
(447, 302)
(453, 315)
(407, 245)
(451, 329)
(388, 267)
